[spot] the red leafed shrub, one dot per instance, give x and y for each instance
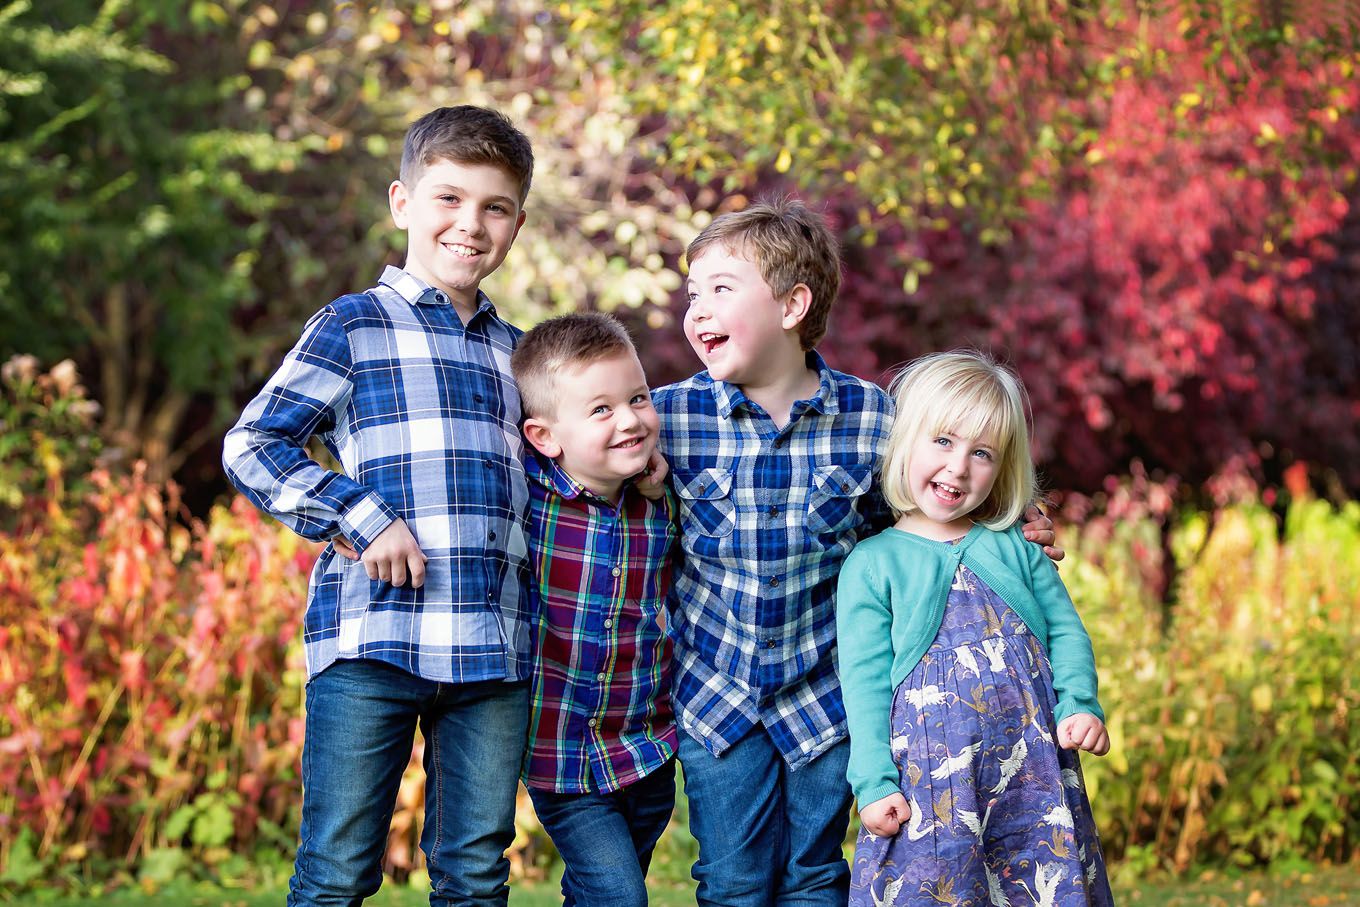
(1188, 296)
(150, 685)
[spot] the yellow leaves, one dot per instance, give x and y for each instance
(1262, 697)
(1268, 132)
(261, 52)
(390, 32)
(783, 161)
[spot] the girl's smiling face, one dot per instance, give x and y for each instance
(949, 477)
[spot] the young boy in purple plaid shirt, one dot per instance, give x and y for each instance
(600, 766)
(773, 457)
(408, 385)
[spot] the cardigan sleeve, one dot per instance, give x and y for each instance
(1068, 644)
(865, 657)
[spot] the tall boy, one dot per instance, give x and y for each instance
(772, 457)
(408, 385)
(600, 766)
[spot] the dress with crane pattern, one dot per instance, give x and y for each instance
(999, 813)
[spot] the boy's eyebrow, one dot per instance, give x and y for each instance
(721, 274)
(450, 187)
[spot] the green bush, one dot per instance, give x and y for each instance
(1232, 708)
(151, 678)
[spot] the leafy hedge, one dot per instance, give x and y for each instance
(151, 680)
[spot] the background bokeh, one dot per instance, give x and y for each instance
(1149, 209)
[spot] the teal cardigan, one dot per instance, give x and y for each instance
(889, 605)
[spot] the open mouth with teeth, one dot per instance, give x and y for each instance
(712, 342)
(627, 445)
(947, 493)
(462, 251)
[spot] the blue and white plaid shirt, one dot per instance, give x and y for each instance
(423, 417)
(767, 515)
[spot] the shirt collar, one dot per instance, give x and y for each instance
(555, 479)
(826, 400)
(417, 292)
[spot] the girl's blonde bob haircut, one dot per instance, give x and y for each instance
(971, 395)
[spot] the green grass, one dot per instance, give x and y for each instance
(1328, 887)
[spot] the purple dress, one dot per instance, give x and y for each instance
(999, 814)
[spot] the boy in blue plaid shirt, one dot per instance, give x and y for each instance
(773, 458)
(408, 385)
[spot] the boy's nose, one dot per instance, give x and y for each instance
(470, 222)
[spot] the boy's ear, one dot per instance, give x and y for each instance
(796, 306)
(540, 435)
(397, 197)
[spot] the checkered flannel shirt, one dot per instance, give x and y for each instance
(767, 515)
(422, 415)
(602, 715)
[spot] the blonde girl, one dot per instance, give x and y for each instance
(969, 680)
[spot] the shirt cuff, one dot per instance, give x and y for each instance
(363, 522)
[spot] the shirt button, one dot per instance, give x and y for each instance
(477, 397)
(491, 535)
(778, 443)
(592, 722)
(769, 643)
(488, 464)
(774, 581)
(439, 297)
(616, 571)
(608, 622)
(774, 511)
(600, 676)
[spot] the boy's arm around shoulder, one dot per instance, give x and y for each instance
(265, 457)
(1068, 643)
(864, 655)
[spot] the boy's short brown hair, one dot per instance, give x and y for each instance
(790, 244)
(467, 135)
(559, 343)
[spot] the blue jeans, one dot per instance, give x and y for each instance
(767, 835)
(361, 723)
(606, 840)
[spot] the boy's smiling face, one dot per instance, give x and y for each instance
(604, 427)
(460, 221)
(734, 323)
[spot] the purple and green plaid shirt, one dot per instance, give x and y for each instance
(602, 714)
(423, 417)
(767, 516)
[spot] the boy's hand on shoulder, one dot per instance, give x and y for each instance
(1038, 529)
(1084, 731)
(884, 817)
(652, 480)
(395, 556)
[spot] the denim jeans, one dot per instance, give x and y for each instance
(361, 722)
(606, 840)
(767, 835)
